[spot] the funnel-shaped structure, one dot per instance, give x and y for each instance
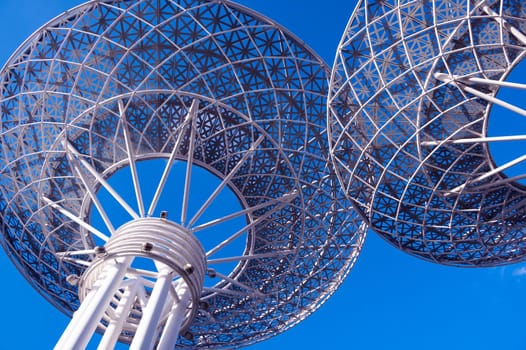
(117, 112)
(412, 91)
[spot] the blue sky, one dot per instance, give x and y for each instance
(390, 300)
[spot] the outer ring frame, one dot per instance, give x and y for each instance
(316, 225)
(403, 94)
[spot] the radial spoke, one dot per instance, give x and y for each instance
(101, 180)
(92, 195)
(503, 181)
(226, 292)
(76, 219)
(475, 140)
(76, 252)
(494, 82)
(164, 177)
(131, 159)
(239, 284)
(225, 181)
(489, 173)
(249, 257)
(286, 198)
(510, 28)
(487, 97)
(77, 261)
(245, 229)
(188, 173)
(173, 291)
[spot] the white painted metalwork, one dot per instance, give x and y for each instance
(165, 174)
(87, 317)
(412, 90)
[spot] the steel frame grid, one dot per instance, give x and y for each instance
(110, 83)
(411, 93)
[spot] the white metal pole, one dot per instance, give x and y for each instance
(146, 333)
(114, 329)
(175, 319)
(84, 322)
(100, 178)
(475, 140)
(487, 97)
(225, 181)
(490, 173)
(514, 31)
(189, 118)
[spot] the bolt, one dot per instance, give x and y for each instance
(188, 268)
(164, 214)
(211, 273)
(147, 247)
(203, 305)
(73, 280)
(188, 336)
(99, 251)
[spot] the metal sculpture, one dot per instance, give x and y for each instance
(411, 96)
(158, 90)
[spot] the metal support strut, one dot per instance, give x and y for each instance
(148, 309)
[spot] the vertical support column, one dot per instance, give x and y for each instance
(165, 307)
(146, 334)
(114, 329)
(87, 317)
(175, 319)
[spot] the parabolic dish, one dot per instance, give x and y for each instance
(411, 95)
(210, 85)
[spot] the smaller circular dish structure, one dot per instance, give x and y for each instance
(115, 112)
(411, 95)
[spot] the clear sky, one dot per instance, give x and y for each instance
(390, 300)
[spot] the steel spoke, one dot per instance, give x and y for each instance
(92, 195)
(246, 228)
(494, 82)
(76, 219)
(249, 257)
(286, 198)
(164, 177)
(239, 284)
(227, 292)
(505, 24)
(131, 159)
(77, 261)
(188, 173)
(225, 181)
(75, 252)
(489, 173)
(487, 97)
(101, 180)
(475, 140)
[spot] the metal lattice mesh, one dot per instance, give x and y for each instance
(410, 98)
(252, 80)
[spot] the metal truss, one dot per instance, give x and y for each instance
(410, 97)
(212, 85)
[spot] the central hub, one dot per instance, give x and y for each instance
(224, 215)
(170, 249)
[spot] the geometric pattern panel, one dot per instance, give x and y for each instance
(255, 84)
(409, 102)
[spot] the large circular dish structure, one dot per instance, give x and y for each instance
(411, 94)
(180, 87)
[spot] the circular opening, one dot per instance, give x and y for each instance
(505, 122)
(213, 227)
